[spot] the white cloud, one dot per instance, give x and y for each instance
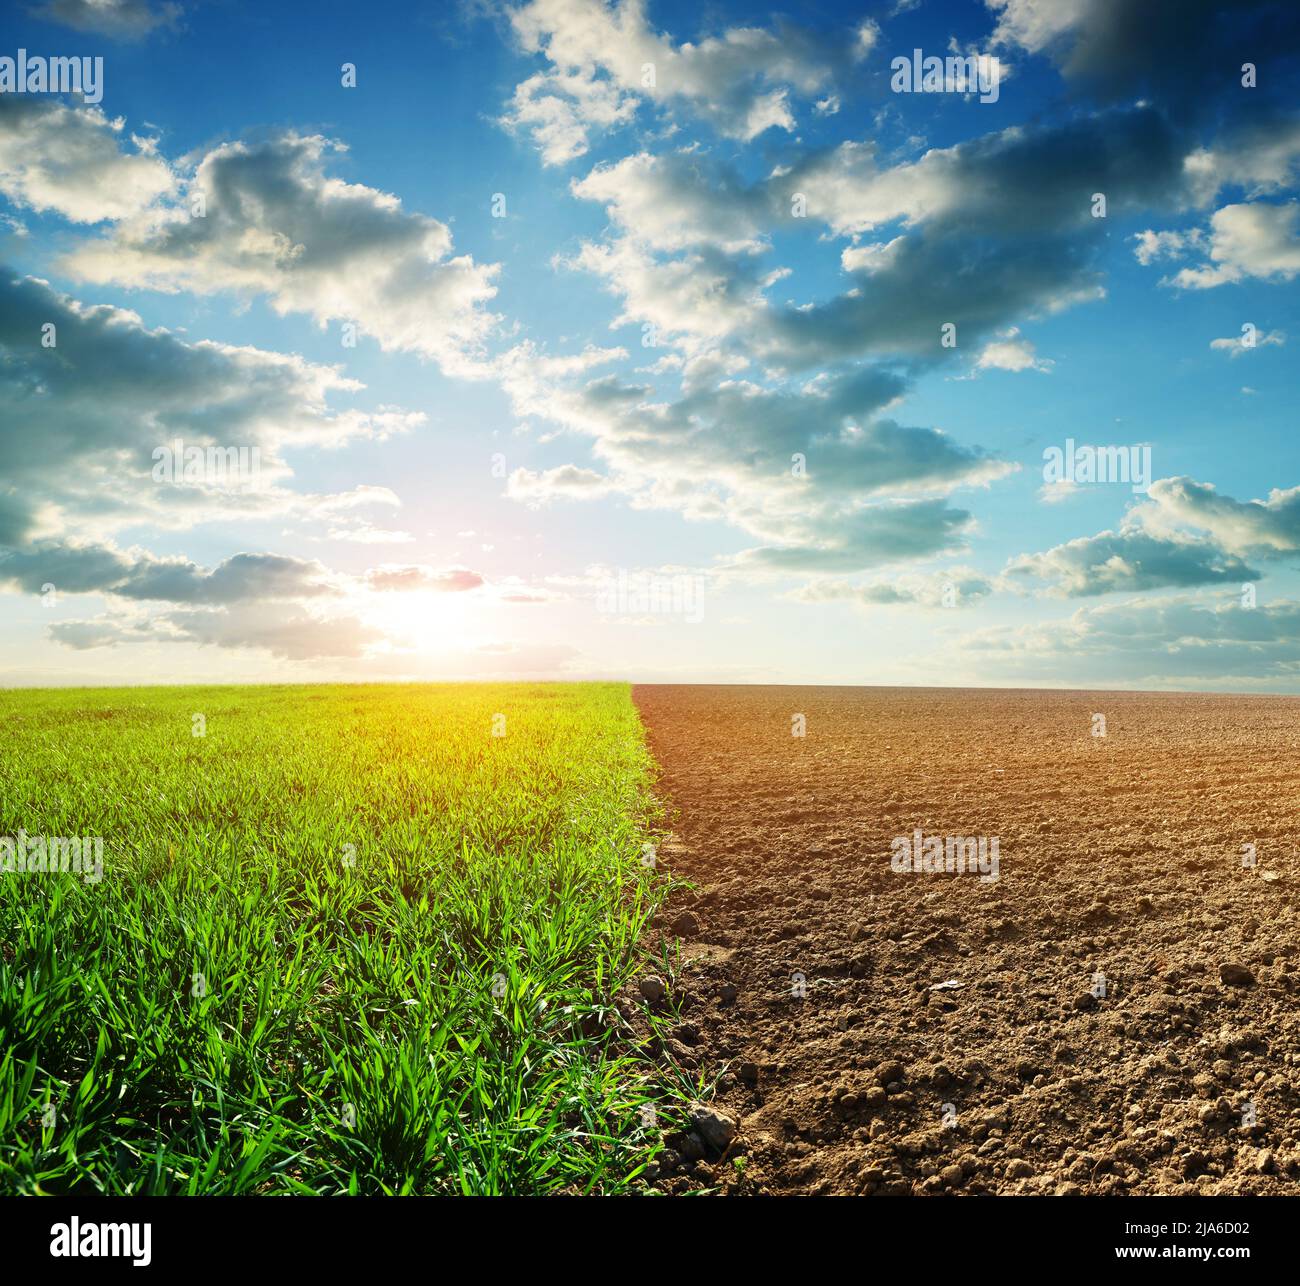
(119, 19)
(1252, 239)
(566, 482)
(76, 162)
(1035, 24)
(1236, 345)
(956, 587)
(276, 223)
(1011, 351)
(672, 202)
(605, 60)
(80, 424)
(1152, 245)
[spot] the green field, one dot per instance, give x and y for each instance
(348, 940)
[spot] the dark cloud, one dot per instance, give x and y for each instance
(868, 538)
(1184, 534)
(993, 230)
(1128, 560)
(89, 568)
(1186, 55)
(287, 633)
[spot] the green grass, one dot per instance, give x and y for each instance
(424, 1011)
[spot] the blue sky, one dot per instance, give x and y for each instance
(649, 376)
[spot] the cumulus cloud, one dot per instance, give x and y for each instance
(1252, 239)
(81, 568)
(677, 200)
(792, 466)
(1254, 528)
(80, 422)
(1127, 560)
(1184, 534)
(605, 60)
(868, 537)
(1011, 351)
(1058, 490)
(277, 223)
(76, 162)
(1004, 212)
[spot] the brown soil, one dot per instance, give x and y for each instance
(1121, 869)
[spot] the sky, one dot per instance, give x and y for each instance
(563, 339)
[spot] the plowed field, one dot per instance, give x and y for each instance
(1116, 1012)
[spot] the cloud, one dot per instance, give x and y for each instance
(1036, 24)
(1185, 54)
(1183, 534)
(118, 19)
(678, 200)
(1058, 490)
(74, 162)
(1255, 239)
(77, 568)
(1012, 182)
(1152, 642)
(1236, 345)
(957, 587)
(560, 109)
(1152, 246)
(792, 466)
(697, 300)
(605, 60)
(1254, 528)
(1005, 212)
(566, 482)
(80, 422)
(366, 533)
(276, 223)
(874, 536)
(408, 578)
(1128, 560)
(288, 633)
(1011, 351)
